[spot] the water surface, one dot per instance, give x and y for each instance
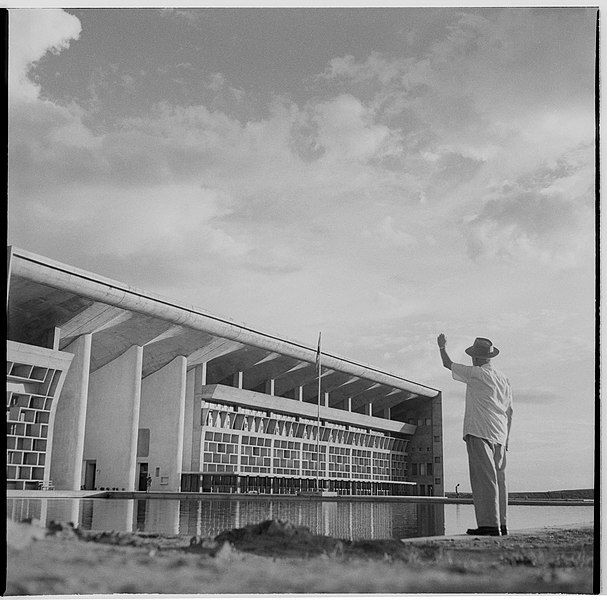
(346, 520)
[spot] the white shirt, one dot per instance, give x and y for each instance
(488, 401)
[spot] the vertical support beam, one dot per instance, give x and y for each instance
(370, 409)
(162, 411)
(112, 420)
(327, 399)
(238, 463)
(437, 444)
(387, 413)
(300, 393)
(199, 379)
(188, 421)
(70, 419)
(270, 387)
(238, 378)
(272, 439)
(349, 404)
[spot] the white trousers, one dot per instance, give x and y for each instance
(487, 463)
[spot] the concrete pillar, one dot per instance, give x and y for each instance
(238, 378)
(300, 393)
(65, 457)
(387, 413)
(370, 409)
(349, 404)
(162, 411)
(270, 387)
(112, 420)
(190, 415)
(326, 398)
(200, 379)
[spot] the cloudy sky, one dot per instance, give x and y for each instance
(381, 175)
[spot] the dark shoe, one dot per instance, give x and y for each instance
(484, 531)
(504, 530)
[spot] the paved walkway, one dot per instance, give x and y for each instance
(459, 537)
(55, 494)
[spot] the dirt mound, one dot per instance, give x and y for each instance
(281, 538)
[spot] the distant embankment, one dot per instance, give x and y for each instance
(587, 494)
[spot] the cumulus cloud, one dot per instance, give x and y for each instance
(346, 130)
(33, 33)
(489, 96)
(544, 214)
(398, 148)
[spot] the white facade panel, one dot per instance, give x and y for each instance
(112, 420)
(70, 419)
(162, 411)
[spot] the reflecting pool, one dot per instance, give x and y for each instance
(346, 520)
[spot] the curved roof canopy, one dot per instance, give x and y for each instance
(45, 295)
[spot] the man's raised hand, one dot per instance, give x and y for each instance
(442, 340)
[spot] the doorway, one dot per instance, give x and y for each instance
(89, 474)
(142, 485)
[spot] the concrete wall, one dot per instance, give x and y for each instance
(421, 446)
(112, 420)
(162, 411)
(70, 419)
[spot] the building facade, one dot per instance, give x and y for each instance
(114, 388)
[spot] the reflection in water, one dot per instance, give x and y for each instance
(345, 520)
(354, 520)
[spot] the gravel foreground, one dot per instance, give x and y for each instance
(278, 557)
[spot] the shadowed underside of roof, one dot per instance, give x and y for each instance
(45, 295)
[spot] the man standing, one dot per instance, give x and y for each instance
(487, 420)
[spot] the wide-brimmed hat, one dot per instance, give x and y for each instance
(482, 348)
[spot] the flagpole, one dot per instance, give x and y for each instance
(318, 354)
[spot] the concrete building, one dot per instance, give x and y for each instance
(109, 386)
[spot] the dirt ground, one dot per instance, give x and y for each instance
(277, 557)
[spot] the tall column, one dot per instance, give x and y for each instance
(370, 409)
(70, 419)
(349, 404)
(238, 379)
(162, 411)
(189, 414)
(200, 379)
(326, 398)
(112, 420)
(300, 393)
(387, 413)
